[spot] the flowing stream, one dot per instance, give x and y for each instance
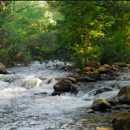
(26, 101)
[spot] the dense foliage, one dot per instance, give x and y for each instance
(79, 31)
(94, 30)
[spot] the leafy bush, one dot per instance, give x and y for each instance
(82, 54)
(13, 54)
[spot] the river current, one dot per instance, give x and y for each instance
(26, 101)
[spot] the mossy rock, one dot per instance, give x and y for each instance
(121, 121)
(2, 71)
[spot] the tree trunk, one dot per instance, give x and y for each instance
(85, 42)
(14, 5)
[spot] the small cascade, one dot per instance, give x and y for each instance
(27, 104)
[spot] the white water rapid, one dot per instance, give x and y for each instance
(26, 102)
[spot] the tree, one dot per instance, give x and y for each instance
(88, 25)
(80, 26)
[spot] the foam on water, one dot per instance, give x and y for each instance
(26, 102)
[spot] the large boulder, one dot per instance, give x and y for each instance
(63, 86)
(124, 95)
(121, 121)
(93, 64)
(100, 105)
(2, 71)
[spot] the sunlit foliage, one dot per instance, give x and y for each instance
(79, 31)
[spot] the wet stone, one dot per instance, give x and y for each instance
(100, 105)
(112, 102)
(121, 107)
(56, 93)
(74, 89)
(89, 79)
(102, 90)
(42, 93)
(80, 79)
(63, 86)
(90, 111)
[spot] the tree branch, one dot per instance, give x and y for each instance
(26, 8)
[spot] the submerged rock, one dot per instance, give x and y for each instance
(98, 91)
(89, 79)
(100, 105)
(74, 89)
(121, 121)
(30, 84)
(41, 93)
(56, 93)
(124, 106)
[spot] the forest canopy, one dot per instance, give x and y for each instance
(77, 31)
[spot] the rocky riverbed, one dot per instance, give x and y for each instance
(31, 98)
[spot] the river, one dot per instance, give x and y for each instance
(26, 101)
